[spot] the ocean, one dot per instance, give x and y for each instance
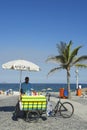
(40, 86)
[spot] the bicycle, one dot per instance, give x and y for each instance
(65, 109)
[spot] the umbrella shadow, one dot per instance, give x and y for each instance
(12, 110)
(7, 108)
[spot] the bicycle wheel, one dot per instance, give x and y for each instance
(32, 117)
(66, 110)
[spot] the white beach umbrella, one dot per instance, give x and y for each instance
(21, 65)
(49, 89)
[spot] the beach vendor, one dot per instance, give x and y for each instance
(25, 89)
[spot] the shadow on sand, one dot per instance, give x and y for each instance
(7, 108)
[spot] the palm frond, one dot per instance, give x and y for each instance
(61, 47)
(80, 59)
(73, 54)
(81, 65)
(67, 51)
(56, 59)
(54, 70)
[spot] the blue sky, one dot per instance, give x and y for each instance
(30, 30)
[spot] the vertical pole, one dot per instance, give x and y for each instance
(20, 84)
(20, 79)
(76, 78)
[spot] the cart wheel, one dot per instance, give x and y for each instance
(32, 116)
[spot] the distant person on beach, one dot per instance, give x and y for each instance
(25, 89)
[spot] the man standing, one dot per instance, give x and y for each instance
(25, 89)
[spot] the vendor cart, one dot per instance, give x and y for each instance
(34, 106)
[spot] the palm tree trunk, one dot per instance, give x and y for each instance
(68, 84)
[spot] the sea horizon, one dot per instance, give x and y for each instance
(40, 86)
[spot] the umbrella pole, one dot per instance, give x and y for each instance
(20, 79)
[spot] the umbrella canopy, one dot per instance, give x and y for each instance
(21, 65)
(49, 89)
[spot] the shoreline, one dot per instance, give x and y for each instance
(55, 94)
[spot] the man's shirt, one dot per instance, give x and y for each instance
(26, 88)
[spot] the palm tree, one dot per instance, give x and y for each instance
(66, 59)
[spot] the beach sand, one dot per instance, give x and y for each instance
(77, 122)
